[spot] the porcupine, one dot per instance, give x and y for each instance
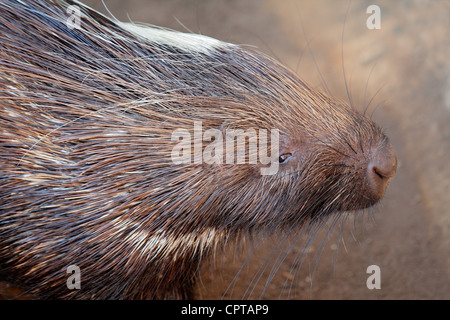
(87, 178)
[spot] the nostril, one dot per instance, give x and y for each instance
(382, 167)
(378, 173)
(384, 163)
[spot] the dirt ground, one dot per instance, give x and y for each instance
(404, 70)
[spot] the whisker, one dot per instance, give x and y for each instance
(324, 83)
(342, 57)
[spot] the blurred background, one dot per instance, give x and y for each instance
(403, 71)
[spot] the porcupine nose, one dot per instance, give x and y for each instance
(381, 168)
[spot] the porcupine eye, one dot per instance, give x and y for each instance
(284, 157)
